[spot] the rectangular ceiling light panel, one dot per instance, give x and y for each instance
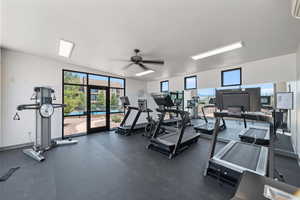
(144, 73)
(65, 48)
(220, 50)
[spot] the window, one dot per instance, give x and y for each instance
(89, 107)
(98, 80)
(71, 77)
(232, 77)
(117, 90)
(164, 86)
(206, 94)
(266, 92)
(115, 102)
(266, 89)
(75, 99)
(190, 82)
(117, 82)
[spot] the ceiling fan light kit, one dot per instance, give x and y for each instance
(138, 60)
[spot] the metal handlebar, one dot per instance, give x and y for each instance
(28, 107)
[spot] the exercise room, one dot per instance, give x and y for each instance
(141, 100)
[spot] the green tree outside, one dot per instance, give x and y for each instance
(75, 96)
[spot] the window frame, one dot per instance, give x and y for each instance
(229, 70)
(161, 83)
(187, 77)
(86, 85)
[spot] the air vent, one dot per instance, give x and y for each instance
(296, 8)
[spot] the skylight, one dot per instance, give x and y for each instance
(65, 48)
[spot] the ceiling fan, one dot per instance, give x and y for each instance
(138, 60)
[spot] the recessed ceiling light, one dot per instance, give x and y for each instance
(65, 48)
(144, 73)
(220, 50)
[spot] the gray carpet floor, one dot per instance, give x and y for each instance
(113, 167)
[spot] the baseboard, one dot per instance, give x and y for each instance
(18, 146)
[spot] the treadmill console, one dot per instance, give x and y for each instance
(125, 101)
(142, 104)
(163, 100)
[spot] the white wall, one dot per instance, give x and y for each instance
(21, 72)
(276, 69)
(296, 138)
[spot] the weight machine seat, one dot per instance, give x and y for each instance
(240, 157)
(256, 134)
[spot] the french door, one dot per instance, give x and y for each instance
(97, 109)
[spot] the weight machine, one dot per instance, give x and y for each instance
(44, 109)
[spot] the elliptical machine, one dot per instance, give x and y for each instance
(44, 109)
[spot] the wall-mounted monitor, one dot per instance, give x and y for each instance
(248, 99)
(237, 99)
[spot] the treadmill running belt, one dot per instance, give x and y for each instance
(207, 126)
(256, 133)
(173, 137)
(137, 126)
(244, 155)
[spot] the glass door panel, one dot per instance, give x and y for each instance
(97, 109)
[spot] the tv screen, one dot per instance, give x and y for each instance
(241, 99)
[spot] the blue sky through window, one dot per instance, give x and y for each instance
(266, 89)
(232, 77)
(165, 86)
(190, 82)
(207, 92)
(96, 77)
(117, 80)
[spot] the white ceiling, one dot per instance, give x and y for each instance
(174, 30)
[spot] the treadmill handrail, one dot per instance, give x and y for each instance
(203, 111)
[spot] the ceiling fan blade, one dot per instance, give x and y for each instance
(127, 66)
(158, 62)
(143, 66)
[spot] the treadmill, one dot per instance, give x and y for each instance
(176, 139)
(256, 134)
(208, 127)
(235, 158)
(260, 135)
(127, 130)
